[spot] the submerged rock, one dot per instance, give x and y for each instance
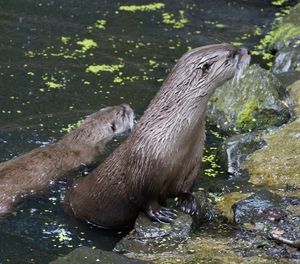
(89, 255)
(254, 102)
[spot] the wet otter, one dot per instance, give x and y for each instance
(38, 168)
(161, 157)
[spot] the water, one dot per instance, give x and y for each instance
(45, 85)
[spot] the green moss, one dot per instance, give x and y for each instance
(149, 7)
(225, 204)
(245, 119)
(277, 164)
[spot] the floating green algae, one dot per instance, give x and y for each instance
(86, 45)
(279, 2)
(96, 69)
(100, 24)
(149, 7)
(71, 127)
(53, 85)
(169, 19)
(65, 40)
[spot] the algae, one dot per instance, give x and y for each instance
(86, 45)
(71, 127)
(96, 69)
(169, 19)
(149, 7)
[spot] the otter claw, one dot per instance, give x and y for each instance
(164, 215)
(187, 203)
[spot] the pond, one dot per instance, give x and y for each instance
(64, 59)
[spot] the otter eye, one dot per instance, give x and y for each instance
(113, 127)
(206, 67)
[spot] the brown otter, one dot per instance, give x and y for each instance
(161, 157)
(37, 169)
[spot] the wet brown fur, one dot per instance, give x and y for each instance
(161, 157)
(37, 169)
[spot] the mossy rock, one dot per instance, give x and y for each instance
(255, 102)
(287, 28)
(294, 90)
(278, 164)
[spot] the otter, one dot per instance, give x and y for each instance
(161, 157)
(37, 169)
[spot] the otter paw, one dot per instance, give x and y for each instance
(162, 215)
(187, 203)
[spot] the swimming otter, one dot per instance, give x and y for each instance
(161, 157)
(37, 169)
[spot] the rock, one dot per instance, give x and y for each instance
(278, 164)
(271, 216)
(150, 237)
(288, 28)
(294, 90)
(92, 256)
(225, 205)
(236, 149)
(254, 102)
(288, 58)
(247, 210)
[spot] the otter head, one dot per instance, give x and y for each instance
(103, 125)
(204, 69)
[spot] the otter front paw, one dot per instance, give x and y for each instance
(161, 214)
(187, 203)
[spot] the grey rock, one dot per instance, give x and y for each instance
(288, 58)
(150, 237)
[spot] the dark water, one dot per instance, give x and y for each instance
(45, 85)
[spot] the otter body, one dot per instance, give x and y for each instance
(161, 157)
(37, 169)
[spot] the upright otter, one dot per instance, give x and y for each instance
(161, 157)
(36, 169)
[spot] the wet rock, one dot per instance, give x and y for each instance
(247, 210)
(236, 149)
(206, 211)
(277, 164)
(294, 90)
(271, 216)
(228, 201)
(150, 237)
(288, 58)
(288, 78)
(89, 255)
(289, 27)
(255, 102)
